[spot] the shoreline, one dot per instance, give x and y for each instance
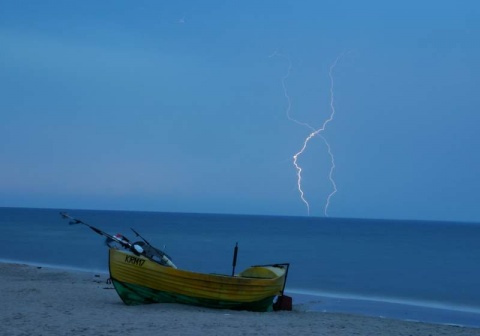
(403, 310)
(325, 302)
(46, 300)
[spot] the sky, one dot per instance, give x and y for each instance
(199, 106)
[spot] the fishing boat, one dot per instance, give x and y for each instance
(139, 280)
(143, 274)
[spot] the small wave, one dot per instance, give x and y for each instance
(390, 300)
(53, 266)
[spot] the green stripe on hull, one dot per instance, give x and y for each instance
(135, 295)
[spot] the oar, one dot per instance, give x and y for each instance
(74, 221)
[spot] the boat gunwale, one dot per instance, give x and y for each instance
(178, 271)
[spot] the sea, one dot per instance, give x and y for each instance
(426, 271)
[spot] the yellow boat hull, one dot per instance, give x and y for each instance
(138, 280)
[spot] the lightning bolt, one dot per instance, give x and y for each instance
(332, 159)
(287, 112)
(314, 133)
(285, 91)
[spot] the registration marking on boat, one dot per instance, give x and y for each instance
(134, 260)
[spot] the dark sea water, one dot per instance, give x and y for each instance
(418, 270)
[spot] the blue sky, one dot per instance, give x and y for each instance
(177, 106)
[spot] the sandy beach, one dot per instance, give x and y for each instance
(48, 301)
